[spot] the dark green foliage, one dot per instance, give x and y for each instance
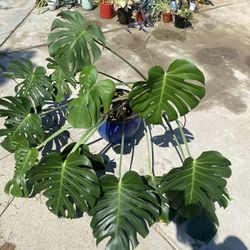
(196, 185)
(84, 111)
(72, 44)
(124, 210)
(36, 86)
(25, 159)
(20, 121)
(70, 184)
(169, 92)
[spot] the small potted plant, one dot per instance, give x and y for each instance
(106, 9)
(162, 8)
(124, 11)
(183, 16)
(125, 203)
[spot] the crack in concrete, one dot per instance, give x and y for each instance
(18, 25)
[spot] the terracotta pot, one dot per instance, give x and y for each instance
(139, 17)
(167, 17)
(106, 10)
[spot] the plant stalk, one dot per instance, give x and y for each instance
(86, 135)
(183, 137)
(122, 149)
(150, 165)
(51, 110)
(58, 132)
(123, 59)
(116, 79)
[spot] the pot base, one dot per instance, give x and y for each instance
(112, 131)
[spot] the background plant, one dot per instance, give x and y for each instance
(121, 206)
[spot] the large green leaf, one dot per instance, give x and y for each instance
(35, 86)
(70, 184)
(196, 185)
(25, 159)
(84, 111)
(20, 121)
(123, 211)
(168, 92)
(72, 44)
(61, 81)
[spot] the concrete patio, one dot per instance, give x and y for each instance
(219, 44)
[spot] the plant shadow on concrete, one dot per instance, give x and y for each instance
(74, 180)
(205, 234)
(6, 56)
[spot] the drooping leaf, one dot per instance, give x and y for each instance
(168, 92)
(165, 211)
(70, 184)
(25, 159)
(84, 111)
(36, 86)
(196, 185)
(72, 44)
(20, 121)
(124, 210)
(61, 81)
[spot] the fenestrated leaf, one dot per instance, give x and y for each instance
(196, 185)
(25, 159)
(20, 121)
(36, 86)
(61, 81)
(84, 111)
(168, 92)
(71, 185)
(124, 210)
(72, 44)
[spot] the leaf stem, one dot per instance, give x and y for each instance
(116, 79)
(112, 77)
(182, 155)
(51, 110)
(86, 135)
(123, 59)
(149, 152)
(122, 149)
(183, 137)
(51, 137)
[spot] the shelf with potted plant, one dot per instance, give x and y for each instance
(122, 205)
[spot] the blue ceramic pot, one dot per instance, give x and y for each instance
(111, 131)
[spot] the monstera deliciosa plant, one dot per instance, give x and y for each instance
(121, 206)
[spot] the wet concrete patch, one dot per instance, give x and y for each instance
(168, 35)
(235, 104)
(215, 56)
